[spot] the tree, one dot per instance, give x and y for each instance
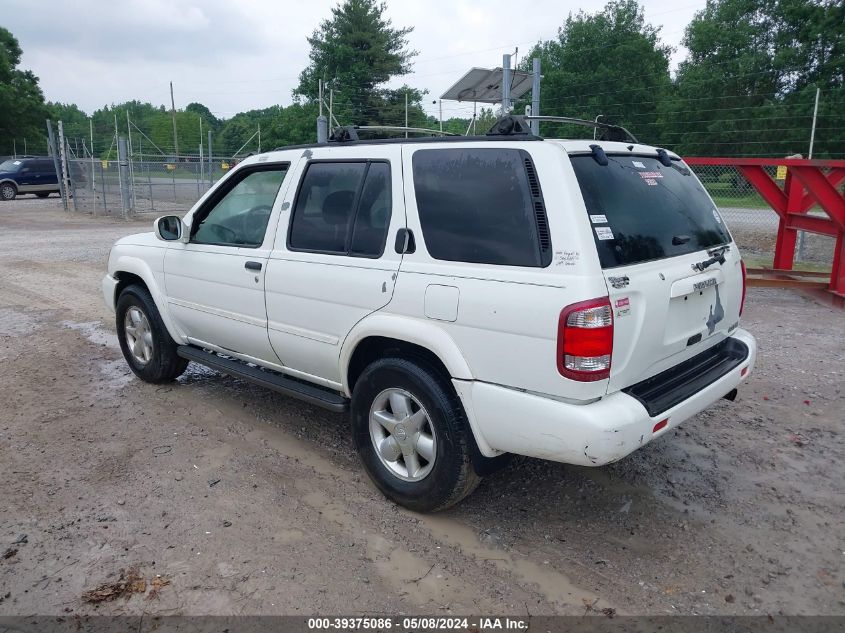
(610, 64)
(749, 82)
(22, 109)
(356, 52)
(205, 114)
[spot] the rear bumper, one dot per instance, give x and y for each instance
(590, 434)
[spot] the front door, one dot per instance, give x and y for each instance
(215, 283)
(334, 261)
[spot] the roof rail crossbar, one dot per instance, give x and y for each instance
(347, 133)
(397, 128)
(613, 129)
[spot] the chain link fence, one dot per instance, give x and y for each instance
(164, 185)
(754, 224)
(153, 184)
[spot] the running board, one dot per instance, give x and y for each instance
(275, 381)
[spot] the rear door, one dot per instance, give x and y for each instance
(334, 260)
(657, 231)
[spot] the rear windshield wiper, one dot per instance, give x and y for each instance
(716, 255)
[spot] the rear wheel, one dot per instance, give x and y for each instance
(144, 340)
(43, 194)
(412, 435)
(8, 191)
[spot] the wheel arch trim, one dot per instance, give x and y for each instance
(428, 336)
(407, 330)
(136, 266)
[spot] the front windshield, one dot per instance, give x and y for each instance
(10, 165)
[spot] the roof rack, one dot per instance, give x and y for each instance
(518, 125)
(346, 133)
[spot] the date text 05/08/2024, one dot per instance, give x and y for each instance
(418, 623)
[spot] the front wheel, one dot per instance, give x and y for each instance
(8, 191)
(412, 435)
(144, 340)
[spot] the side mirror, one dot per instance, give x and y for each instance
(170, 228)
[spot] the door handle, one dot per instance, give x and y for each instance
(253, 265)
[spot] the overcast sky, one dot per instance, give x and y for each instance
(236, 55)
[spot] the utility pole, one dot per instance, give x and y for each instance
(63, 154)
(801, 234)
(506, 84)
(535, 97)
(322, 124)
(406, 113)
(259, 137)
(131, 166)
(210, 162)
(173, 114)
(51, 141)
(813, 130)
(331, 105)
(91, 134)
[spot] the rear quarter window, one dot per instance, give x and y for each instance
(481, 205)
(641, 210)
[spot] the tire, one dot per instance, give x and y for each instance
(8, 191)
(418, 484)
(154, 358)
(43, 194)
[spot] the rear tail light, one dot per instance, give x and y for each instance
(585, 340)
(744, 286)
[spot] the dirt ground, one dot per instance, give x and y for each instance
(251, 503)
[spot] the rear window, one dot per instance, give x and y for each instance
(481, 205)
(641, 210)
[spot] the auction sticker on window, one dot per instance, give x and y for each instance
(598, 219)
(604, 233)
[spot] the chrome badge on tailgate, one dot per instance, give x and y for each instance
(701, 285)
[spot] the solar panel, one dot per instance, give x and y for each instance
(485, 86)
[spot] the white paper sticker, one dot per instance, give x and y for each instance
(598, 219)
(17, 162)
(604, 233)
(638, 164)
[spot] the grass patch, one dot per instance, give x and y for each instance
(763, 261)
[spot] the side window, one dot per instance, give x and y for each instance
(45, 166)
(481, 205)
(342, 208)
(238, 215)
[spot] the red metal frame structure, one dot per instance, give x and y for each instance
(808, 182)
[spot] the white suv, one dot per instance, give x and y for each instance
(463, 298)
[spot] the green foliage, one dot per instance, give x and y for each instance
(746, 87)
(22, 109)
(610, 63)
(355, 52)
(749, 82)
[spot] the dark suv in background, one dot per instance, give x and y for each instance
(28, 175)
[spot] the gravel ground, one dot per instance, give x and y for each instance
(250, 503)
